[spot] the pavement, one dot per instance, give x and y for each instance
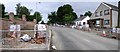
(108, 32)
(72, 39)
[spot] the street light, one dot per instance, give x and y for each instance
(36, 10)
(36, 35)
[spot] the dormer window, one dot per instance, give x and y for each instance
(96, 14)
(106, 12)
(101, 13)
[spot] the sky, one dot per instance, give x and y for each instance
(47, 6)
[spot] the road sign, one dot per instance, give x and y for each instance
(41, 27)
(14, 27)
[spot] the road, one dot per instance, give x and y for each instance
(72, 39)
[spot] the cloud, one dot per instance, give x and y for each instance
(6, 1)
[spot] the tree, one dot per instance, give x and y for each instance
(74, 15)
(24, 10)
(65, 14)
(52, 17)
(31, 17)
(88, 13)
(2, 10)
(68, 18)
(20, 10)
(37, 16)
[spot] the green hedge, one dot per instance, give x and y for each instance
(117, 27)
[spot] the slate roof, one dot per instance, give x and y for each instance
(80, 18)
(112, 6)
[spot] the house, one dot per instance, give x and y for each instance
(105, 15)
(81, 19)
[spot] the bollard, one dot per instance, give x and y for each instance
(104, 33)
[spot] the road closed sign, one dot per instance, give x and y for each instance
(41, 27)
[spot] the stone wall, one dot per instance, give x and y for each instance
(26, 25)
(4, 24)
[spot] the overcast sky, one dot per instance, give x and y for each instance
(45, 7)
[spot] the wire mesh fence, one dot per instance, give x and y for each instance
(7, 40)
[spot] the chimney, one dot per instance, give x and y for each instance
(11, 16)
(81, 15)
(24, 18)
(119, 13)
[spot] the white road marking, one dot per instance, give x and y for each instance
(86, 40)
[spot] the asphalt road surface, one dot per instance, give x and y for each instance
(72, 39)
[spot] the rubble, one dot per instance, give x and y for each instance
(39, 40)
(25, 38)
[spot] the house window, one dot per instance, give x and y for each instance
(97, 22)
(96, 14)
(106, 12)
(101, 13)
(106, 22)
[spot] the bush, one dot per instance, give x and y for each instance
(117, 27)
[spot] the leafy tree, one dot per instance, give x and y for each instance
(60, 14)
(74, 15)
(31, 18)
(2, 10)
(53, 17)
(24, 10)
(20, 10)
(65, 14)
(88, 13)
(68, 18)
(37, 16)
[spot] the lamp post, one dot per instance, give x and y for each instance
(36, 10)
(36, 35)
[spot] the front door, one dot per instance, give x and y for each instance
(101, 22)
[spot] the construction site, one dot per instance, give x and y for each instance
(22, 34)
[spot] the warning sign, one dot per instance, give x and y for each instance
(14, 27)
(41, 27)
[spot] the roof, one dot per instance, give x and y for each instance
(112, 6)
(80, 18)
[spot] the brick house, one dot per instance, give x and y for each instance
(105, 15)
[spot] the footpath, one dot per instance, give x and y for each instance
(105, 33)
